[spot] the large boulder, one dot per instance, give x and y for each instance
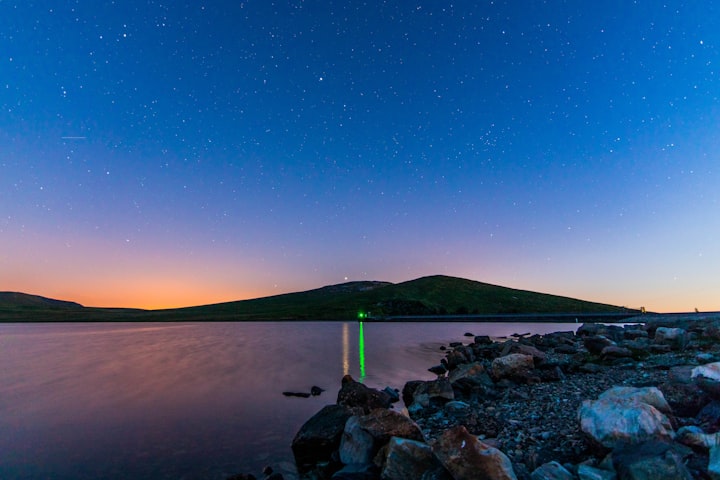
(512, 366)
(365, 435)
(354, 394)
(320, 436)
(707, 377)
(405, 459)
(357, 446)
(470, 375)
(626, 414)
(467, 458)
(595, 343)
(676, 338)
(434, 392)
(651, 460)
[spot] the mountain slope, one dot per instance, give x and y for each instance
(435, 295)
(17, 299)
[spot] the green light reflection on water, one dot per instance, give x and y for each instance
(361, 352)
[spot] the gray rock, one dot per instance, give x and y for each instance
(613, 352)
(434, 392)
(363, 436)
(714, 464)
(677, 338)
(357, 446)
(651, 461)
(694, 437)
(586, 472)
(551, 471)
(470, 374)
(626, 414)
(407, 459)
(512, 366)
(467, 458)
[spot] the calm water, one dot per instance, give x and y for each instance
(191, 401)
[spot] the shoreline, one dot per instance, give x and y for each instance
(531, 412)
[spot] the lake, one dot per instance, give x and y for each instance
(192, 400)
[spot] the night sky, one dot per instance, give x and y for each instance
(158, 154)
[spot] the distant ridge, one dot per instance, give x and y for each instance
(434, 296)
(18, 299)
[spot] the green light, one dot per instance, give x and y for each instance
(361, 352)
(362, 315)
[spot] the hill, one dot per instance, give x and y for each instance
(17, 299)
(433, 296)
(428, 296)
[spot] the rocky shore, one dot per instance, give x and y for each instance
(606, 402)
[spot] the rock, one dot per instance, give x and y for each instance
(357, 445)
(315, 390)
(320, 436)
(512, 366)
(438, 369)
(466, 457)
(551, 471)
(455, 357)
(538, 356)
(694, 437)
(709, 416)
(677, 338)
(408, 391)
(242, 476)
(392, 393)
(457, 407)
(275, 476)
(355, 394)
(633, 333)
(626, 414)
(566, 349)
(296, 394)
(586, 472)
(713, 468)
(483, 340)
(468, 334)
(471, 374)
(366, 471)
(383, 424)
(363, 436)
(410, 459)
(588, 329)
(595, 344)
(613, 352)
(711, 371)
(435, 392)
(651, 460)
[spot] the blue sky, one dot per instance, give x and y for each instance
(160, 154)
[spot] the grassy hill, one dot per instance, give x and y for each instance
(434, 295)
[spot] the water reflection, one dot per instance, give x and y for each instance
(346, 349)
(361, 352)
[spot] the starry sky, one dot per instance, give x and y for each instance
(161, 154)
